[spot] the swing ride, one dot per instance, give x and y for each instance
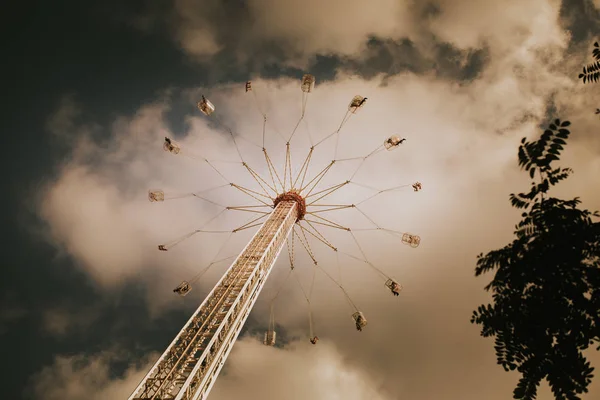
(190, 365)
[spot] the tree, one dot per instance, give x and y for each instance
(591, 72)
(546, 288)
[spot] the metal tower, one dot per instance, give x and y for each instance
(189, 367)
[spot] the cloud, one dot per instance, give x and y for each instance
(64, 118)
(461, 144)
(93, 377)
(502, 26)
(87, 377)
(64, 322)
(293, 33)
(335, 27)
(309, 372)
(96, 209)
(56, 322)
(195, 30)
(85, 213)
(302, 29)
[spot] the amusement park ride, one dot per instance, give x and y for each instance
(191, 363)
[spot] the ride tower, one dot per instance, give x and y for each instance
(190, 365)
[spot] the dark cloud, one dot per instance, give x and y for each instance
(397, 57)
(581, 18)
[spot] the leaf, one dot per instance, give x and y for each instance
(563, 133)
(553, 127)
(567, 123)
(546, 135)
(517, 202)
(531, 172)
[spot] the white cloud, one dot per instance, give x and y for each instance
(86, 214)
(299, 371)
(501, 25)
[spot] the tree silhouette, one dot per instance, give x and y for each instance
(546, 288)
(591, 72)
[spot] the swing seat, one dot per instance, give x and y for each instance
(156, 195)
(183, 288)
(308, 83)
(394, 286)
(171, 146)
(205, 106)
(360, 320)
(269, 339)
(411, 240)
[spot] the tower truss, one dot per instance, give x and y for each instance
(188, 368)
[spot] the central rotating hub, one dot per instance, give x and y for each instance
(293, 195)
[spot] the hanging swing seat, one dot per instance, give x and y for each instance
(394, 287)
(269, 339)
(308, 83)
(411, 240)
(171, 146)
(206, 106)
(392, 142)
(356, 103)
(183, 288)
(156, 195)
(359, 320)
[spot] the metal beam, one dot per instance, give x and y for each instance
(190, 365)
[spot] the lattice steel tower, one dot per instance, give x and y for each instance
(190, 365)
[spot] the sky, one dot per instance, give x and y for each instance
(94, 87)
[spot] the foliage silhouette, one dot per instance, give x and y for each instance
(591, 72)
(546, 288)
